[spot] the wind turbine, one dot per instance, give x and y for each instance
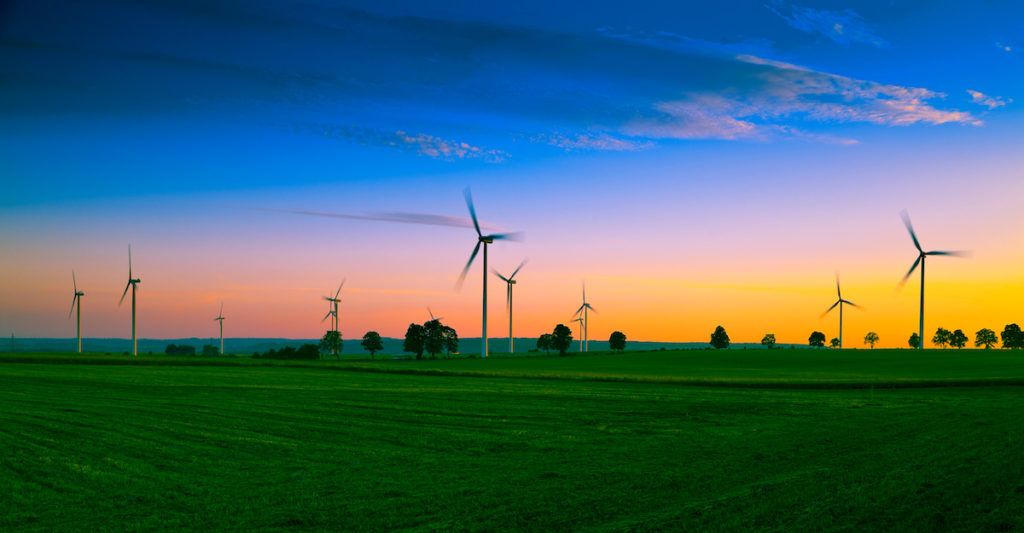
(77, 299)
(579, 328)
(839, 302)
(482, 240)
(333, 302)
(510, 281)
(432, 317)
(586, 322)
(921, 255)
(133, 284)
(220, 318)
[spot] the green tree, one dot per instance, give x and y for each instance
(914, 341)
(817, 339)
(414, 340)
(210, 350)
(1012, 337)
(561, 338)
(331, 343)
(450, 340)
(834, 343)
(372, 343)
(617, 341)
(433, 337)
(942, 337)
(768, 340)
(985, 337)
(870, 339)
(544, 342)
(720, 339)
(958, 339)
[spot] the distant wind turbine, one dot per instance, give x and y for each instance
(921, 255)
(432, 317)
(77, 299)
(579, 329)
(482, 240)
(220, 319)
(510, 281)
(333, 302)
(586, 319)
(133, 284)
(839, 302)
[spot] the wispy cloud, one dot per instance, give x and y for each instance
(844, 27)
(990, 102)
(1006, 47)
(675, 42)
(420, 143)
(593, 142)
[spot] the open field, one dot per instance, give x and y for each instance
(167, 443)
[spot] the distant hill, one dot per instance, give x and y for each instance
(247, 346)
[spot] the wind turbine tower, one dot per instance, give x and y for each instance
(839, 302)
(220, 320)
(133, 284)
(921, 255)
(77, 299)
(586, 319)
(510, 281)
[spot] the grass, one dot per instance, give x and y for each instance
(166, 443)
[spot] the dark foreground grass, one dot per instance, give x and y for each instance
(262, 447)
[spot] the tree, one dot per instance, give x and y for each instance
(720, 339)
(433, 337)
(561, 338)
(941, 337)
(544, 342)
(617, 341)
(834, 342)
(180, 349)
(450, 340)
(210, 350)
(914, 341)
(958, 339)
(817, 339)
(372, 343)
(870, 339)
(331, 343)
(768, 340)
(414, 340)
(985, 337)
(1012, 336)
(308, 351)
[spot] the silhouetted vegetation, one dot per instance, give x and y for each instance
(720, 339)
(985, 337)
(870, 339)
(914, 341)
(210, 350)
(768, 341)
(414, 337)
(941, 337)
(450, 340)
(834, 342)
(958, 339)
(331, 343)
(1012, 337)
(433, 337)
(372, 343)
(306, 351)
(174, 349)
(561, 338)
(817, 339)
(544, 342)
(617, 341)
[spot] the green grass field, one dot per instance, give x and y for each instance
(601, 442)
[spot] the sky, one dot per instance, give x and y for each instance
(695, 164)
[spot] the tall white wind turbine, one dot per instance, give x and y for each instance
(583, 310)
(839, 302)
(921, 255)
(482, 241)
(220, 319)
(510, 281)
(579, 329)
(76, 303)
(133, 284)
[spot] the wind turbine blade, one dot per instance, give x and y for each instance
(848, 302)
(580, 310)
(827, 311)
(950, 253)
(910, 228)
(839, 292)
(496, 273)
(125, 293)
(912, 269)
(129, 261)
(221, 313)
(591, 308)
(472, 211)
(73, 298)
(515, 236)
(74, 281)
(328, 315)
(472, 256)
(518, 268)
(339, 288)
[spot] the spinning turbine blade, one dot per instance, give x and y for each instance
(848, 302)
(496, 273)
(73, 298)
(912, 269)
(339, 288)
(328, 315)
(910, 228)
(129, 261)
(472, 256)
(829, 310)
(472, 211)
(839, 292)
(518, 268)
(950, 253)
(125, 293)
(74, 281)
